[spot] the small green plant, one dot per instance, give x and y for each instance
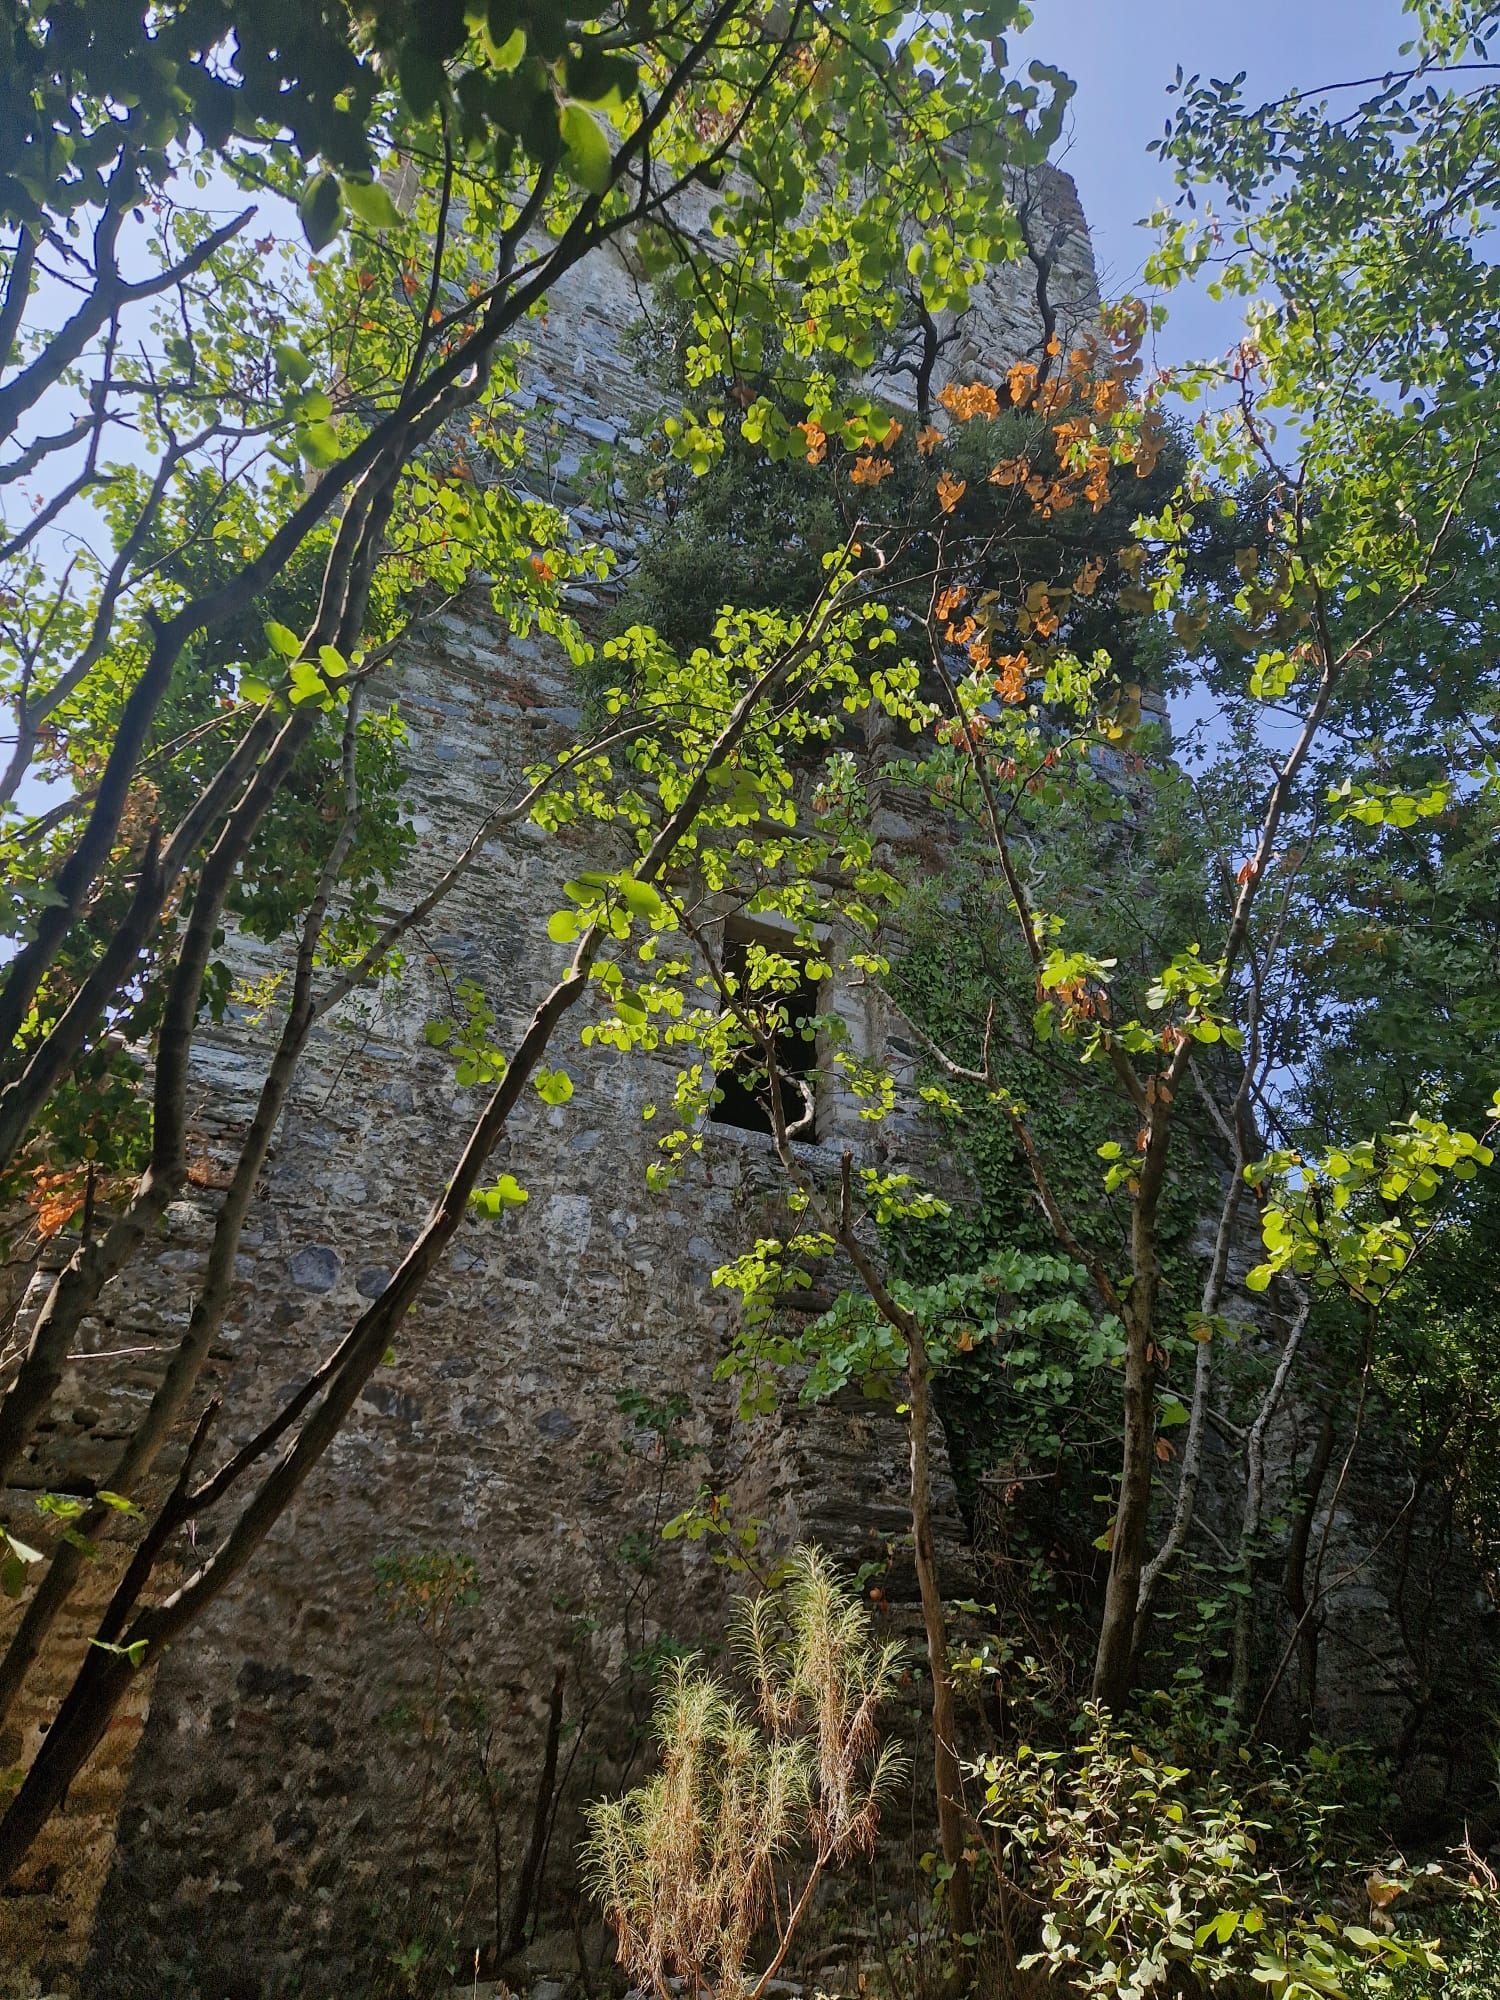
(1146, 1878)
(687, 1866)
(1470, 1931)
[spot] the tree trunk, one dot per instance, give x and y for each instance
(1115, 1658)
(1243, 1649)
(1295, 1586)
(946, 1771)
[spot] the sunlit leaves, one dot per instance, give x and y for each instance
(1356, 1216)
(371, 202)
(553, 1086)
(505, 1193)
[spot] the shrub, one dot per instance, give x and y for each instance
(1146, 1878)
(686, 1865)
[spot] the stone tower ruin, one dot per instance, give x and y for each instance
(262, 1802)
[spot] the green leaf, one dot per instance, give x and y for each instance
(593, 77)
(563, 926)
(504, 56)
(371, 202)
(307, 684)
(555, 1086)
(640, 898)
(318, 444)
(282, 639)
(321, 211)
(589, 152)
(289, 363)
(506, 1193)
(135, 1652)
(254, 689)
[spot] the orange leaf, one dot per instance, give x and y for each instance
(950, 491)
(817, 441)
(1163, 1450)
(1010, 682)
(977, 399)
(928, 439)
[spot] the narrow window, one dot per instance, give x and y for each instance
(745, 1087)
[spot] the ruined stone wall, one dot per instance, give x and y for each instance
(280, 1827)
(269, 1814)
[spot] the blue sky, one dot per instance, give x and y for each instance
(1122, 54)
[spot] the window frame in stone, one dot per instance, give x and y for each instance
(741, 1110)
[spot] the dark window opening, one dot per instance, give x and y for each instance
(745, 1087)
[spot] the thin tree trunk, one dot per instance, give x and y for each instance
(947, 1775)
(1243, 1644)
(1294, 1585)
(1191, 1476)
(140, 1450)
(1114, 1658)
(528, 1880)
(946, 1770)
